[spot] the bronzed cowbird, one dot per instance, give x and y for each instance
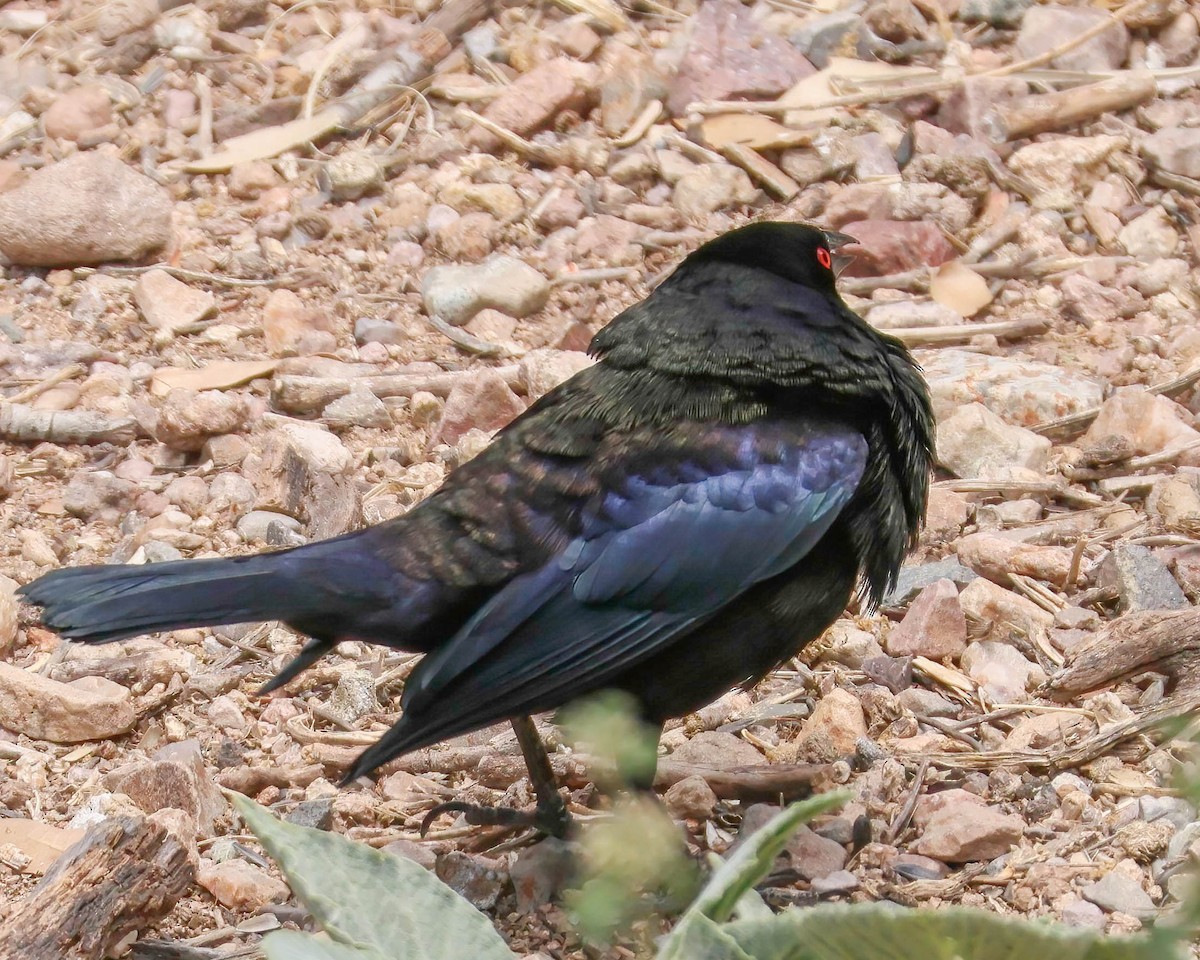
(677, 519)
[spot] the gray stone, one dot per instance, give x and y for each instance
(814, 856)
(840, 881)
(1175, 150)
(1044, 28)
(477, 879)
(913, 579)
(823, 37)
(996, 13)
(354, 696)
(254, 526)
(541, 871)
(457, 293)
(1142, 580)
(314, 814)
(1118, 893)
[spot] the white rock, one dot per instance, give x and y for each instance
(974, 443)
(457, 293)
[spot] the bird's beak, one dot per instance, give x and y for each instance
(840, 260)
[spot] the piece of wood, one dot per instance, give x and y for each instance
(22, 423)
(296, 394)
(1066, 108)
(125, 874)
(1163, 641)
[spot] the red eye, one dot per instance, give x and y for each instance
(824, 259)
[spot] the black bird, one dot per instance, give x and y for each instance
(677, 519)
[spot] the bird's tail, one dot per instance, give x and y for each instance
(314, 583)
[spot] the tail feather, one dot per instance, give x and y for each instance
(99, 604)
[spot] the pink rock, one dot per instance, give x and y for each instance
(971, 108)
(999, 669)
(240, 885)
(78, 112)
(1143, 421)
(934, 626)
(892, 246)
(690, 799)
(731, 57)
(536, 98)
(1045, 28)
(833, 729)
(715, 749)
(930, 805)
(962, 832)
(815, 856)
(484, 402)
(996, 557)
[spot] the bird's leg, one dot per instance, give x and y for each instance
(550, 816)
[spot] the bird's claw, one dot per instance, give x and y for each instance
(553, 823)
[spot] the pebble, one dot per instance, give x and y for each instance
(90, 708)
(542, 370)
(916, 577)
(483, 402)
(711, 187)
(353, 174)
(1174, 149)
(255, 526)
(187, 418)
(846, 644)
(501, 200)
(87, 209)
(831, 884)
(814, 856)
(418, 853)
(1143, 581)
(354, 696)
(974, 443)
(540, 872)
(629, 83)
(964, 830)
(1118, 893)
(358, 408)
(999, 669)
(78, 112)
(535, 98)
(934, 626)
(457, 293)
(1046, 27)
(290, 328)
(1141, 423)
(239, 885)
(99, 496)
(1057, 169)
(1023, 392)
(469, 237)
(1080, 913)
(1151, 236)
(893, 246)
(716, 749)
(248, 181)
(314, 814)
(690, 799)
(477, 879)
(731, 56)
(995, 13)
(995, 557)
(168, 304)
(833, 728)
(1046, 730)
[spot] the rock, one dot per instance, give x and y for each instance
(352, 174)
(934, 626)
(996, 557)
(892, 246)
(690, 799)
(828, 35)
(1024, 392)
(1058, 169)
(814, 856)
(1140, 423)
(248, 181)
(1151, 236)
(1175, 500)
(1174, 149)
(1045, 28)
(630, 81)
(1142, 580)
(922, 702)
(984, 600)
(470, 237)
(1180, 39)
(535, 98)
(1089, 302)
(240, 885)
(1080, 913)
(419, 853)
(315, 814)
(1046, 730)
(225, 713)
(187, 418)
(290, 328)
(99, 496)
(731, 56)
(833, 729)
(913, 866)
(540, 872)
(946, 513)
(716, 749)
(964, 831)
(9, 610)
(974, 443)
(839, 881)
(303, 471)
(167, 304)
(255, 526)
(501, 200)
(904, 313)
(913, 579)
(457, 293)
(843, 643)
(175, 777)
(1118, 893)
(1000, 669)
(477, 879)
(711, 187)
(87, 209)
(78, 112)
(90, 708)
(543, 370)
(354, 696)
(484, 402)
(358, 408)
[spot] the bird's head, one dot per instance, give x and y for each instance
(798, 252)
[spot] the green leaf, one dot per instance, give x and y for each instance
(871, 931)
(293, 945)
(364, 898)
(702, 939)
(753, 859)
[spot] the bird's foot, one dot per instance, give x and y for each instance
(550, 819)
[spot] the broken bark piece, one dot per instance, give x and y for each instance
(126, 873)
(1066, 108)
(25, 424)
(297, 394)
(1162, 641)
